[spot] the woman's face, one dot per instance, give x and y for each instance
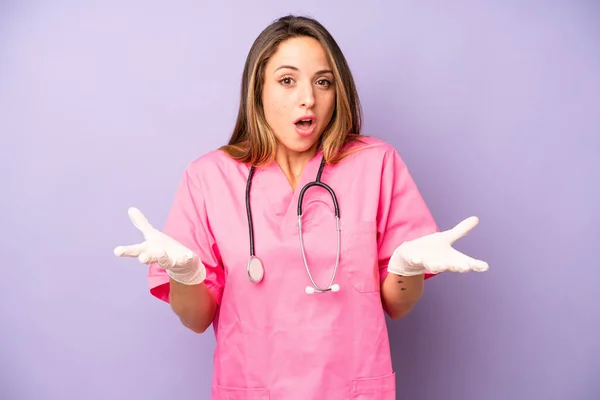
(298, 93)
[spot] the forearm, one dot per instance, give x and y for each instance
(399, 294)
(194, 305)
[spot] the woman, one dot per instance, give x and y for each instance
(278, 335)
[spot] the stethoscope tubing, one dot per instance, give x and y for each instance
(316, 183)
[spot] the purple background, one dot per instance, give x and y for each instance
(495, 107)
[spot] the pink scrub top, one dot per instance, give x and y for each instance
(273, 340)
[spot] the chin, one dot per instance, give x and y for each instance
(300, 144)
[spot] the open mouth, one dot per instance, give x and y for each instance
(304, 123)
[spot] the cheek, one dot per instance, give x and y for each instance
(328, 103)
(275, 107)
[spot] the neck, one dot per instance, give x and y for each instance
(292, 163)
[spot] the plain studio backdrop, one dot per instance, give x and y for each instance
(494, 106)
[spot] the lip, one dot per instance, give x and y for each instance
(305, 132)
(311, 117)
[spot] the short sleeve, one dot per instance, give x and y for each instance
(402, 212)
(187, 223)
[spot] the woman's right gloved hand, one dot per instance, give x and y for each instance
(181, 263)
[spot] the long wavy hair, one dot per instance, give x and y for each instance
(253, 141)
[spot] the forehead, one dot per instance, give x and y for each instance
(300, 52)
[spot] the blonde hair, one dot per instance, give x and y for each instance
(253, 141)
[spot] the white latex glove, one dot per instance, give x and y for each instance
(180, 262)
(434, 253)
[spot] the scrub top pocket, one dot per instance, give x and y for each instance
(359, 256)
(230, 393)
(378, 388)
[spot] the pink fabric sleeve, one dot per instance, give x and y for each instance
(403, 214)
(188, 224)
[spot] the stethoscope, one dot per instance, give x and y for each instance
(255, 268)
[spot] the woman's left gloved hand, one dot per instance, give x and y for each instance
(434, 253)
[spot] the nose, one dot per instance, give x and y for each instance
(307, 96)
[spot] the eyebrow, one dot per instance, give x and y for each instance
(323, 71)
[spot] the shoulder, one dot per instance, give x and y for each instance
(213, 164)
(212, 159)
(372, 150)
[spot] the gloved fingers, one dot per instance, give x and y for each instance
(451, 260)
(145, 258)
(164, 261)
(158, 256)
(457, 262)
(139, 220)
(435, 263)
(435, 267)
(463, 263)
(130, 251)
(479, 265)
(461, 229)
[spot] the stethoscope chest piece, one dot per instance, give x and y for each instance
(256, 271)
